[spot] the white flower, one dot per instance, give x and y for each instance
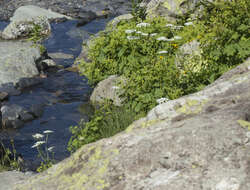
(115, 87)
(153, 34)
(81, 138)
(143, 24)
(169, 25)
(38, 143)
(48, 131)
(162, 52)
(144, 34)
(37, 136)
(162, 100)
(162, 38)
(51, 148)
(130, 31)
(178, 27)
(165, 39)
(188, 23)
(132, 38)
(141, 33)
(177, 37)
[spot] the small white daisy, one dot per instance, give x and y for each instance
(38, 143)
(162, 100)
(37, 136)
(165, 39)
(169, 25)
(162, 38)
(51, 148)
(130, 31)
(132, 38)
(48, 131)
(162, 52)
(115, 87)
(188, 23)
(178, 27)
(143, 24)
(177, 37)
(144, 34)
(153, 34)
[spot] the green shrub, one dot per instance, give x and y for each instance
(149, 65)
(226, 36)
(8, 157)
(105, 122)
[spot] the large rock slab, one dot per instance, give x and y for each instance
(9, 178)
(197, 142)
(18, 60)
(31, 12)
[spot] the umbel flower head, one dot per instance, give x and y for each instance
(38, 143)
(37, 136)
(48, 131)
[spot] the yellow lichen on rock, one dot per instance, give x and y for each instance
(244, 124)
(192, 106)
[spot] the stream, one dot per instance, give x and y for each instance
(61, 93)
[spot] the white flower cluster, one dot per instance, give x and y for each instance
(130, 31)
(174, 27)
(39, 136)
(142, 24)
(38, 143)
(162, 100)
(163, 38)
(132, 38)
(162, 52)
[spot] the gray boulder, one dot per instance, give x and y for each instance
(170, 9)
(189, 56)
(120, 18)
(29, 18)
(108, 89)
(18, 60)
(14, 116)
(197, 142)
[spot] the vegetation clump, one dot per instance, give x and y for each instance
(144, 52)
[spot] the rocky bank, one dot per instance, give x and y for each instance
(200, 141)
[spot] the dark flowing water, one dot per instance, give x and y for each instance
(62, 93)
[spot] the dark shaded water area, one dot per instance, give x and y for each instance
(61, 93)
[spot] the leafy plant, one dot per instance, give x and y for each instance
(44, 152)
(9, 157)
(144, 53)
(105, 122)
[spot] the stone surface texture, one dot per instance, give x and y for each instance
(18, 60)
(170, 9)
(197, 142)
(107, 89)
(72, 8)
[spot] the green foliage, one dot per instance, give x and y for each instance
(36, 34)
(137, 54)
(8, 157)
(226, 32)
(138, 11)
(105, 122)
(44, 152)
(44, 166)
